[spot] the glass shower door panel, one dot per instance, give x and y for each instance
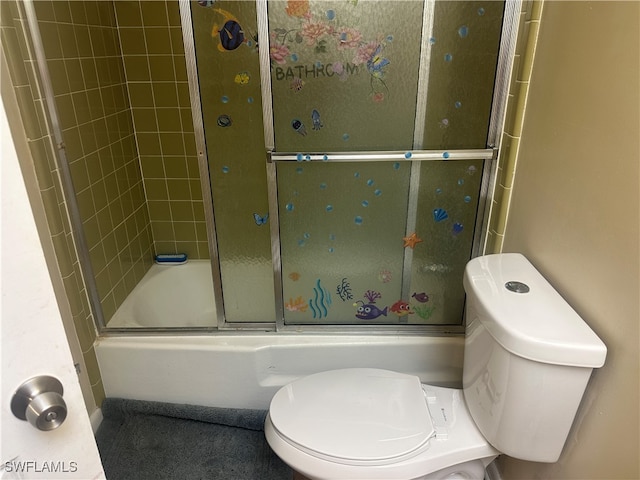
(341, 230)
(464, 55)
(229, 77)
(344, 74)
(447, 208)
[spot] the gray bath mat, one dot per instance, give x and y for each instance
(149, 440)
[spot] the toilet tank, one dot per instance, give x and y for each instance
(528, 357)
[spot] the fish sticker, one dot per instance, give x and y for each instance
(369, 311)
(297, 305)
(315, 118)
(260, 219)
(421, 297)
(231, 35)
(299, 127)
(401, 308)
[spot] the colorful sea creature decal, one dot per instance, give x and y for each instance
(424, 311)
(295, 276)
(369, 311)
(296, 84)
(299, 127)
(344, 290)
(224, 121)
(206, 3)
(231, 35)
(242, 78)
(297, 305)
(372, 296)
(411, 241)
(315, 118)
(260, 219)
(321, 301)
(421, 297)
(401, 308)
(440, 214)
(457, 228)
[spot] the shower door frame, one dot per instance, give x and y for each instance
(489, 155)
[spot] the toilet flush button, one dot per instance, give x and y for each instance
(517, 287)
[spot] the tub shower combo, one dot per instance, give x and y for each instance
(327, 167)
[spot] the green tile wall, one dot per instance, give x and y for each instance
(82, 47)
(156, 76)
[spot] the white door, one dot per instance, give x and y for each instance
(33, 343)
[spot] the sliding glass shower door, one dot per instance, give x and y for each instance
(352, 197)
(368, 236)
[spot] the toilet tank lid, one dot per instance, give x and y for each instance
(533, 322)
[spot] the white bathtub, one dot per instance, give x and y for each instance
(240, 369)
(245, 370)
(170, 296)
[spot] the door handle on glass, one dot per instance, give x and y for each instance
(39, 401)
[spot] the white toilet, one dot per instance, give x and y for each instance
(528, 358)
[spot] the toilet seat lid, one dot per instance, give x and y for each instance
(354, 416)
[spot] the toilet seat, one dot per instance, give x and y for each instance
(358, 416)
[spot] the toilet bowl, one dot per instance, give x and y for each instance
(366, 423)
(528, 358)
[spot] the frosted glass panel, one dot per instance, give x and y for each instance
(344, 238)
(342, 226)
(229, 76)
(447, 208)
(344, 74)
(464, 54)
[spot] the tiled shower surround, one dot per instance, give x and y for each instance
(121, 91)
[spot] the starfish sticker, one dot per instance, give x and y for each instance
(411, 240)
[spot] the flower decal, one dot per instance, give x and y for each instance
(326, 35)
